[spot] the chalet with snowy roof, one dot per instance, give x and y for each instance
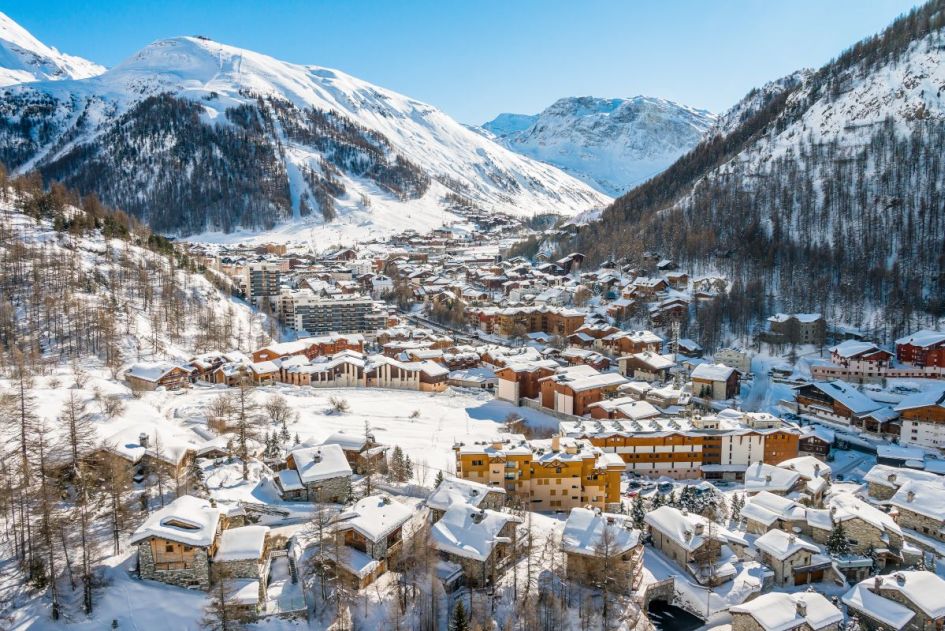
(630, 342)
(816, 441)
(815, 474)
(480, 540)
(315, 474)
(793, 560)
(869, 530)
(264, 373)
(779, 611)
(167, 375)
(645, 366)
(920, 505)
(924, 349)
(176, 543)
(715, 381)
(148, 448)
(833, 401)
(766, 511)
(573, 389)
(523, 379)
(701, 547)
(590, 536)
(455, 490)
(623, 408)
(884, 480)
(242, 555)
(361, 450)
(904, 600)
(371, 533)
(761, 476)
(579, 356)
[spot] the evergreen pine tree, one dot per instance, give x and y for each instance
(438, 479)
(637, 512)
(460, 621)
(408, 470)
(397, 464)
(837, 543)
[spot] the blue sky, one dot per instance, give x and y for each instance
(477, 59)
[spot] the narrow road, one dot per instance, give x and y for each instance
(761, 382)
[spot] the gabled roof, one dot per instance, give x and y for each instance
(584, 531)
(320, 463)
(782, 545)
(761, 476)
(925, 497)
(239, 544)
(375, 517)
(847, 395)
(470, 532)
(778, 611)
(712, 372)
(456, 490)
(189, 520)
(924, 338)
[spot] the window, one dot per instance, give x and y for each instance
(169, 547)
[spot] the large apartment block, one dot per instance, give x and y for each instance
(304, 310)
(548, 475)
(261, 281)
(689, 448)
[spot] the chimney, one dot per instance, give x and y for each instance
(143, 439)
(792, 539)
(700, 528)
(816, 470)
(556, 443)
(877, 582)
(801, 608)
(768, 479)
(910, 495)
(891, 477)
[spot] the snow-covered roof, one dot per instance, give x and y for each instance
(289, 480)
(894, 477)
(189, 520)
(853, 348)
(320, 463)
(761, 476)
(845, 506)
(925, 497)
(470, 532)
(782, 545)
(348, 442)
(924, 338)
(686, 529)
(766, 508)
(929, 398)
(712, 372)
(808, 466)
(846, 394)
(778, 611)
(924, 589)
(153, 371)
(584, 532)
(452, 490)
(244, 591)
(239, 544)
(875, 606)
(375, 517)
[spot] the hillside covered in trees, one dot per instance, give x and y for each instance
(823, 191)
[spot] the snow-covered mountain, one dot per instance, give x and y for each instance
(612, 144)
(834, 174)
(194, 135)
(24, 58)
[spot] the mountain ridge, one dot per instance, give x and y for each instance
(609, 143)
(358, 153)
(23, 58)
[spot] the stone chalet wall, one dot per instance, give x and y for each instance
(745, 622)
(921, 524)
(198, 575)
(244, 568)
(330, 490)
(880, 491)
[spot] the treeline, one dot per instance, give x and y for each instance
(96, 282)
